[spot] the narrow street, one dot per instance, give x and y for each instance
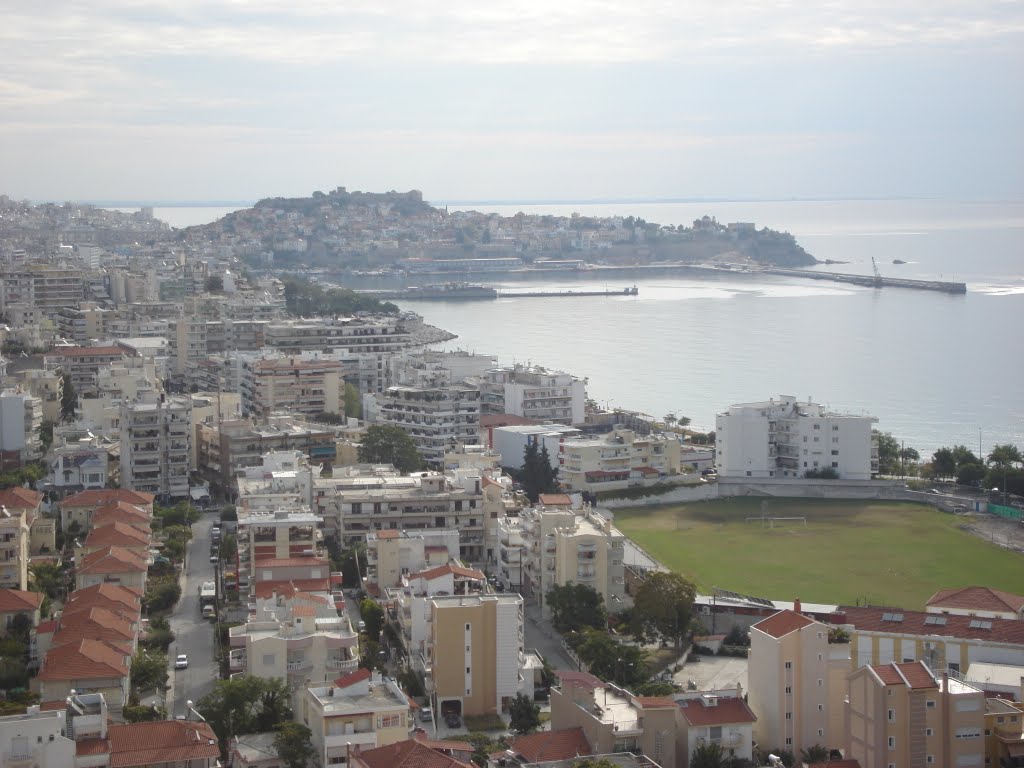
(194, 635)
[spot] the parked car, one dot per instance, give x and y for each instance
(214, 558)
(181, 662)
(426, 715)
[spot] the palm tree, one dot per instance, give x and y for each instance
(670, 419)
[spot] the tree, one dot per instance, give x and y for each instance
(814, 754)
(48, 579)
(181, 513)
(708, 755)
(294, 744)
(964, 455)
(663, 603)
(46, 435)
(214, 284)
(684, 421)
(149, 670)
(383, 444)
(275, 704)
(655, 688)
(353, 402)
(373, 617)
(943, 463)
(235, 706)
(576, 606)
(537, 475)
(352, 564)
(888, 453)
(1005, 456)
(670, 419)
(610, 660)
(970, 473)
(908, 460)
(68, 399)
(525, 714)
(161, 595)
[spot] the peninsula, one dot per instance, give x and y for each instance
(399, 232)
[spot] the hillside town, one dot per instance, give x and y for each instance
(238, 534)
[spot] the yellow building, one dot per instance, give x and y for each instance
(358, 710)
(473, 654)
(795, 682)
(902, 715)
(1004, 733)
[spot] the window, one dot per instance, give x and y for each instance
(821, 731)
(268, 660)
(835, 465)
(928, 731)
(467, 670)
(930, 704)
(821, 707)
(789, 665)
(817, 426)
(789, 742)
(789, 715)
(715, 731)
(835, 439)
(892, 742)
(835, 452)
(789, 689)
(389, 720)
(892, 715)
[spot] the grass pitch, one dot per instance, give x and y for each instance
(889, 553)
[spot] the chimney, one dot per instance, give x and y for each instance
(796, 605)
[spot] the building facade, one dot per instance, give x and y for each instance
(791, 438)
(156, 445)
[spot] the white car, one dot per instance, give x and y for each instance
(181, 662)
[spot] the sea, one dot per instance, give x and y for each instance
(934, 369)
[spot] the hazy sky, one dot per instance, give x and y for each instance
(561, 99)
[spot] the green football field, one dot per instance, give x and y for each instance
(887, 553)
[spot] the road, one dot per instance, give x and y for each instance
(193, 634)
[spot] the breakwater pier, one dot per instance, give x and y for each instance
(871, 281)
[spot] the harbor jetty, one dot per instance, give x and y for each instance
(467, 291)
(871, 281)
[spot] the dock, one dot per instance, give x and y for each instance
(870, 281)
(634, 291)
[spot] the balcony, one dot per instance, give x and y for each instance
(295, 666)
(341, 664)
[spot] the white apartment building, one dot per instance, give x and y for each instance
(21, 416)
(511, 441)
(358, 710)
(14, 549)
(52, 737)
(79, 466)
(619, 459)
(296, 636)
(564, 546)
(48, 385)
(156, 439)
(535, 392)
(513, 553)
(789, 438)
(377, 334)
(437, 418)
(276, 537)
(359, 500)
(306, 385)
(187, 337)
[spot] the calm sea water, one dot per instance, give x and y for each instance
(935, 369)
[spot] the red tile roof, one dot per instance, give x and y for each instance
(406, 754)
(782, 623)
(95, 623)
(870, 619)
(116, 533)
(287, 586)
(448, 568)
(124, 601)
(561, 744)
(113, 560)
(96, 746)
(654, 702)
(291, 562)
(96, 497)
(649, 471)
(728, 711)
(977, 599)
(352, 678)
(161, 741)
(122, 512)
(913, 675)
(569, 677)
(13, 600)
(555, 500)
(20, 498)
(83, 660)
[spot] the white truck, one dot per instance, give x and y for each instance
(207, 593)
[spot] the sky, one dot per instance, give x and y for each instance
(196, 100)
